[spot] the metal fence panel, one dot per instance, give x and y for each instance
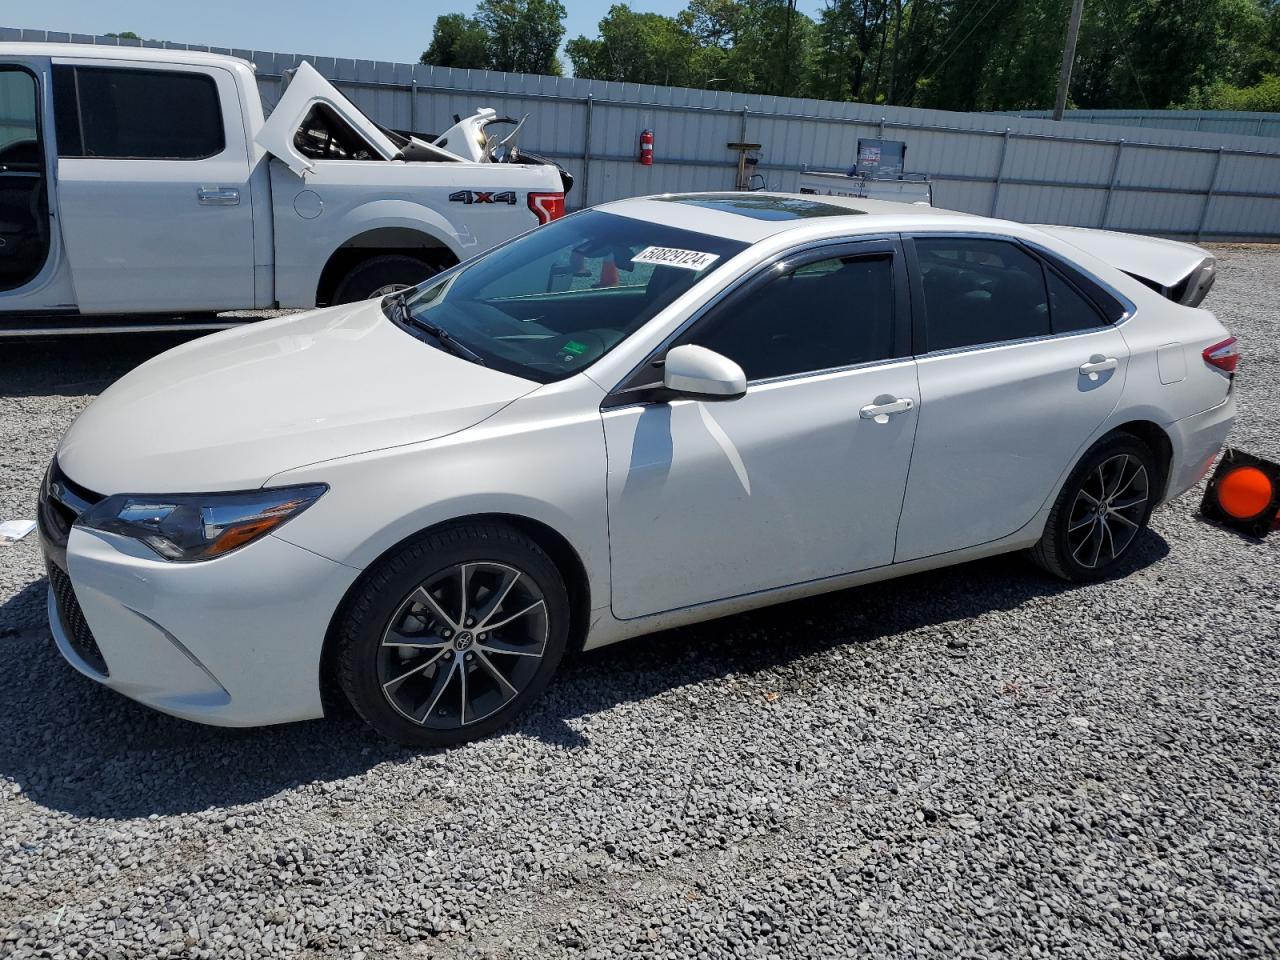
(1210, 175)
(1200, 121)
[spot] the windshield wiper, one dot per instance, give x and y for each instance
(394, 305)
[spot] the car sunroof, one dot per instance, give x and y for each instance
(762, 208)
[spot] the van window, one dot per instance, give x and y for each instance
(128, 114)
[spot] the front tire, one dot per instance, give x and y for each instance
(453, 635)
(1102, 510)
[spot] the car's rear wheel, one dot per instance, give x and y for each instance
(1103, 508)
(379, 276)
(454, 635)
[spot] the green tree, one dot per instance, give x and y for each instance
(638, 48)
(523, 35)
(126, 35)
(458, 41)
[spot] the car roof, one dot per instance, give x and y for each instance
(754, 216)
(93, 51)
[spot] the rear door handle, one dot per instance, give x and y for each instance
(1098, 364)
(886, 407)
(219, 196)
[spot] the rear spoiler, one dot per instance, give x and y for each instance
(1180, 272)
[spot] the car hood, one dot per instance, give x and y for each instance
(229, 411)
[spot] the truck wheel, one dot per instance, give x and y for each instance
(379, 276)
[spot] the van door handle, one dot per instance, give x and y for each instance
(1098, 364)
(219, 196)
(886, 407)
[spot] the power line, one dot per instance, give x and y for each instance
(945, 43)
(984, 16)
(1124, 52)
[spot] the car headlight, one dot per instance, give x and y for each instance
(200, 526)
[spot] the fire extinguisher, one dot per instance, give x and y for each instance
(646, 148)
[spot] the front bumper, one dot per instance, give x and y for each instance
(234, 641)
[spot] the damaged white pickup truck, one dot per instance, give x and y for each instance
(143, 187)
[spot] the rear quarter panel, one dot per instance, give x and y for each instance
(341, 199)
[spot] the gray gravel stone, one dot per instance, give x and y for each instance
(966, 764)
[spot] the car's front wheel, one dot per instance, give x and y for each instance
(1103, 508)
(453, 635)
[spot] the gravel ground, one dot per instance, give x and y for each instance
(954, 765)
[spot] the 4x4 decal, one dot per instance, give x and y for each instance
(480, 196)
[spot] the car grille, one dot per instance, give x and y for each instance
(73, 622)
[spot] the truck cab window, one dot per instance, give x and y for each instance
(326, 136)
(98, 115)
(24, 210)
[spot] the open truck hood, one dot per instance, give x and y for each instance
(305, 92)
(1179, 271)
(308, 90)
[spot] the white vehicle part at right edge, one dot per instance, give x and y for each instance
(998, 426)
(786, 484)
(305, 90)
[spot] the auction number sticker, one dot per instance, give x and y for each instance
(675, 257)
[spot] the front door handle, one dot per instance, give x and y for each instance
(886, 407)
(219, 196)
(1098, 364)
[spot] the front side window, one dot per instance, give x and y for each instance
(831, 313)
(128, 114)
(980, 291)
(555, 300)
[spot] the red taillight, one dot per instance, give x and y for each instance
(547, 206)
(1224, 355)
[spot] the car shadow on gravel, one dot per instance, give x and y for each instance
(75, 746)
(77, 366)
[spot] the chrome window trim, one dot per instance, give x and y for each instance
(997, 344)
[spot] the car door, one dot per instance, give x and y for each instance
(153, 186)
(1018, 368)
(801, 478)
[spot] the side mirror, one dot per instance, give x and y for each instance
(703, 374)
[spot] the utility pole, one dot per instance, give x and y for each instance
(1068, 57)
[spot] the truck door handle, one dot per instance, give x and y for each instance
(219, 196)
(1098, 364)
(886, 407)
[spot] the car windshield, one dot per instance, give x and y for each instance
(557, 299)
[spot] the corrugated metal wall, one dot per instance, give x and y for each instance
(1173, 182)
(1200, 121)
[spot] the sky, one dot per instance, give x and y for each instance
(396, 30)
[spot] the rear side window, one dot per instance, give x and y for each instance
(830, 313)
(1069, 310)
(980, 291)
(127, 114)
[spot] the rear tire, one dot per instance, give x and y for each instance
(1101, 512)
(426, 668)
(379, 276)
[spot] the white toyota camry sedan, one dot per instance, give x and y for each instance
(649, 413)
